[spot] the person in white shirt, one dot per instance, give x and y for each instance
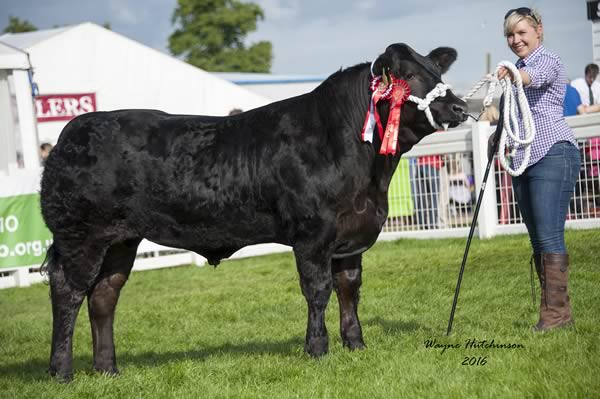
(588, 87)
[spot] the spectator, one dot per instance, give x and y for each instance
(20, 160)
(426, 188)
(572, 103)
(45, 149)
(491, 115)
(588, 87)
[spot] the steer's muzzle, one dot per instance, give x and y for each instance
(449, 110)
(460, 110)
(459, 113)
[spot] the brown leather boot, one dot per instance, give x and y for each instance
(555, 308)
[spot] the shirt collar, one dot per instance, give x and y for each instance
(532, 56)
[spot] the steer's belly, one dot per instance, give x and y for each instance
(218, 236)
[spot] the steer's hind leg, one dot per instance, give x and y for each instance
(71, 271)
(347, 281)
(102, 301)
(314, 267)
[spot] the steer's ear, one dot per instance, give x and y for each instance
(443, 57)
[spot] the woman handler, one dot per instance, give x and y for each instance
(544, 190)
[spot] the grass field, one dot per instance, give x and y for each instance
(237, 331)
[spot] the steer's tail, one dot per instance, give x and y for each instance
(50, 261)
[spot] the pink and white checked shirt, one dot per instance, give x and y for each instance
(545, 95)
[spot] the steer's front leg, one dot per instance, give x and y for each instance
(314, 266)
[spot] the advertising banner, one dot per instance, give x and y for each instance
(24, 237)
(593, 10)
(63, 107)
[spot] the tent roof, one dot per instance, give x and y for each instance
(12, 58)
(244, 78)
(124, 73)
(28, 39)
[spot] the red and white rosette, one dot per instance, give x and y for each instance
(397, 92)
(400, 93)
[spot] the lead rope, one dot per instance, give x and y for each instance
(511, 124)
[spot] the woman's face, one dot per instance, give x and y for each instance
(524, 38)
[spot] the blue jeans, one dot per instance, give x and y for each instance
(543, 194)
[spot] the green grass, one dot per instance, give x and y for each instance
(237, 331)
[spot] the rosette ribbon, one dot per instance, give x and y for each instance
(397, 92)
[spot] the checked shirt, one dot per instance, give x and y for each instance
(545, 95)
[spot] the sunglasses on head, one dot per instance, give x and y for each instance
(525, 11)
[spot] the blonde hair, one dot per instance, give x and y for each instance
(514, 18)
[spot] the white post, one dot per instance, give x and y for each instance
(198, 260)
(8, 152)
(22, 277)
(27, 119)
(488, 214)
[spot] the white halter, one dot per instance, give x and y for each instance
(423, 103)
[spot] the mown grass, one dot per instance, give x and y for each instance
(237, 331)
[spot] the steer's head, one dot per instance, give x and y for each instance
(422, 75)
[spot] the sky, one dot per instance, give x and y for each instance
(318, 37)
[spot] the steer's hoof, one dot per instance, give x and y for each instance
(61, 376)
(317, 346)
(354, 343)
(352, 337)
(107, 371)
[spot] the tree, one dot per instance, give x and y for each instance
(211, 36)
(16, 25)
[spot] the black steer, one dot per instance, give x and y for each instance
(294, 172)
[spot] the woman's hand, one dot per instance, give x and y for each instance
(505, 72)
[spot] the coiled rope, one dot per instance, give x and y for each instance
(511, 124)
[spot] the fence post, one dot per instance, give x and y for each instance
(27, 121)
(488, 214)
(22, 277)
(197, 260)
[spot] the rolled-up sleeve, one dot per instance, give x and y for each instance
(543, 72)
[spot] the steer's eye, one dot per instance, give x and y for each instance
(410, 76)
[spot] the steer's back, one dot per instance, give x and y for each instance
(144, 173)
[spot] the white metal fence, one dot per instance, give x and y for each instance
(432, 195)
(434, 191)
